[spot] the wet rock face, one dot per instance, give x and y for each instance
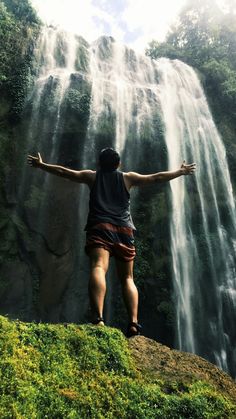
(56, 232)
(16, 289)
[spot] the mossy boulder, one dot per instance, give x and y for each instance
(71, 371)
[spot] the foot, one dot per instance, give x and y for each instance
(99, 321)
(133, 329)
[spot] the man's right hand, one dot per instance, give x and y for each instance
(34, 161)
(188, 169)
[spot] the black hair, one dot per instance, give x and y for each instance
(109, 159)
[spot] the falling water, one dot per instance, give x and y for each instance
(135, 100)
(55, 59)
(124, 86)
(203, 247)
(57, 53)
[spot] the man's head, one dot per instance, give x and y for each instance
(109, 159)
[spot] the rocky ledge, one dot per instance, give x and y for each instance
(159, 361)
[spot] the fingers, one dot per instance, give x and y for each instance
(189, 168)
(193, 165)
(190, 165)
(32, 160)
(192, 168)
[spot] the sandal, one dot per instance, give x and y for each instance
(98, 320)
(130, 330)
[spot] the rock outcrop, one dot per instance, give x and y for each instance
(159, 361)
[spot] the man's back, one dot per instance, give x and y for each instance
(109, 200)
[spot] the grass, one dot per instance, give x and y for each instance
(57, 371)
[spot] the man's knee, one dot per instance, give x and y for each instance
(126, 279)
(125, 270)
(98, 265)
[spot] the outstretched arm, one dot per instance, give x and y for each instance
(81, 176)
(135, 179)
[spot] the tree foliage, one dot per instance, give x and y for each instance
(19, 27)
(203, 31)
(22, 11)
(205, 37)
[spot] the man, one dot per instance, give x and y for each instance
(109, 225)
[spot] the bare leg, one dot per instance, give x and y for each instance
(99, 262)
(129, 289)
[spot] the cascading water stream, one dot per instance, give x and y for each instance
(59, 68)
(55, 59)
(132, 99)
(122, 83)
(205, 296)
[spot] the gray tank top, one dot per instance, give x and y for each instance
(109, 200)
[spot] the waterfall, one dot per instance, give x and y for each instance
(87, 97)
(124, 85)
(203, 246)
(56, 54)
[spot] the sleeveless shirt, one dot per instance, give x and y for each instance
(109, 200)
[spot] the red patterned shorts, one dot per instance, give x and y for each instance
(119, 241)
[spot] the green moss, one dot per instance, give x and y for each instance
(66, 371)
(78, 102)
(19, 29)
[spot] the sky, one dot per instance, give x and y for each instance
(132, 22)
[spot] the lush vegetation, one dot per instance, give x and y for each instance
(205, 38)
(66, 371)
(19, 27)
